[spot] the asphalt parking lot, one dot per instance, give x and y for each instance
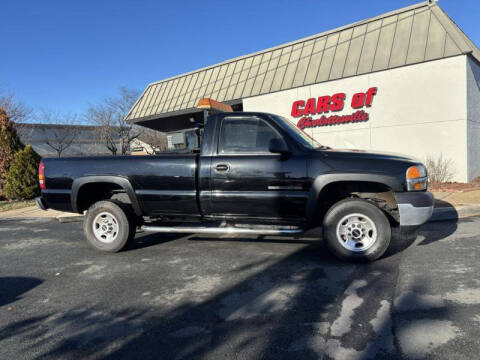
(236, 298)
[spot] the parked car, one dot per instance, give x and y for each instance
(254, 173)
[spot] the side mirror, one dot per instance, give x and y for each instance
(278, 146)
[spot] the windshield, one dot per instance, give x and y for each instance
(299, 135)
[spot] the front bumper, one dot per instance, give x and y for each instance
(415, 208)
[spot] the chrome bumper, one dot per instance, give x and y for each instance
(415, 208)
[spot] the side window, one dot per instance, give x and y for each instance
(245, 136)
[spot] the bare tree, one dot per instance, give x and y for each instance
(155, 140)
(115, 132)
(16, 110)
(440, 169)
(102, 117)
(62, 133)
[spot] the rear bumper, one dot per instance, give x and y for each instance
(415, 208)
(40, 203)
(56, 199)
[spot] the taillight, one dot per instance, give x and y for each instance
(41, 175)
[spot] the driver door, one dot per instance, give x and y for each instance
(248, 181)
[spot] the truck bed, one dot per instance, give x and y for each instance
(152, 178)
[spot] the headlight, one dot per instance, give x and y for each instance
(416, 178)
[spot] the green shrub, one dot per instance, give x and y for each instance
(9, 143)
(22, 177)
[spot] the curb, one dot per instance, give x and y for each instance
(451, 213)
(69, 219)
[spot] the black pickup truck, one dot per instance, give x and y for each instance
(253, 173)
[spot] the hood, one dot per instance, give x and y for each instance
(363, 154)
(342, 160)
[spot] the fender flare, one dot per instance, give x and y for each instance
(323, 180)
(124, 183)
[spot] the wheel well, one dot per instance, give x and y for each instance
(377, 193)
(91, 193)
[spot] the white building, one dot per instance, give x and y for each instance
(406, 81)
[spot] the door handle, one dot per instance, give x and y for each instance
(222, 167)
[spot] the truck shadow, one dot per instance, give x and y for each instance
(13, 287)
(258, 239)
(145, 240)
(446, 213)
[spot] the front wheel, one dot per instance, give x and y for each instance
(109, 226)
(355, 229)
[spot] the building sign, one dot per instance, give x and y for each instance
(335, 103)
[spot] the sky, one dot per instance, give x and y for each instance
(64, 55)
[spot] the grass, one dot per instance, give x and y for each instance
(12, 205)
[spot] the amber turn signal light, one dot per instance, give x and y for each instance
(418, 186)
(413, 172)
(416, 178)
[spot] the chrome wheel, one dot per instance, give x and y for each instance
(356, 232)
(105, 227)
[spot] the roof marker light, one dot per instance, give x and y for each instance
(207, 103)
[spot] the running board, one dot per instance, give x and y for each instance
(220, 230)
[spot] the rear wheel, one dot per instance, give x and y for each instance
(109, 226)
(355, 229)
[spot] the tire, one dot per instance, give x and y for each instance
(356, 230)
(114, 223)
